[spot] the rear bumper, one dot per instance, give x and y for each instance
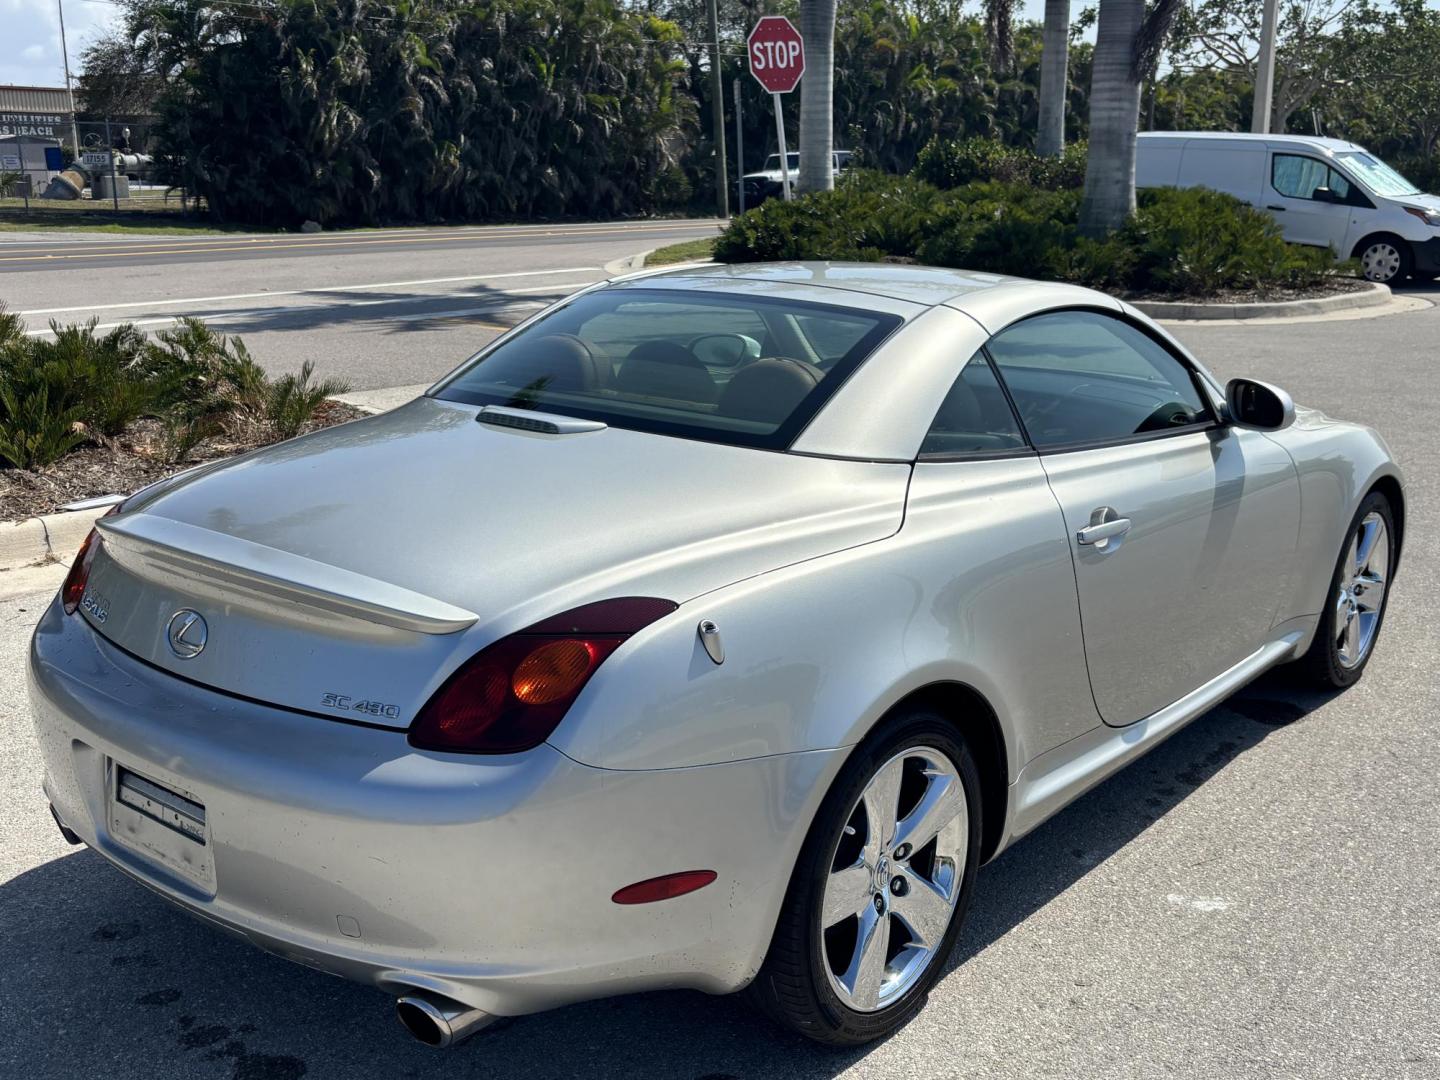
(486, 879)
(1426, 255)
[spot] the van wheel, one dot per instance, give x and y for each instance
(1384, 258)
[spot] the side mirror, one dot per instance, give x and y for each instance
(1258, 405)
(1324, 194)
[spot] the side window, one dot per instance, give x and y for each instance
(974, 418)
(1297, 177)
(1081, 377)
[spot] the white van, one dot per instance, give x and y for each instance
(1323, 192)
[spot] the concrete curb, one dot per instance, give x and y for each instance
(1375, 296)
(628, 265)
(383, 400)
(49, 538)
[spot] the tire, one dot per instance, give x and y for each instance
(1335, 661)
(1385, 259)
(798, 984)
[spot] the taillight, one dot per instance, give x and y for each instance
(74, 588)
(511, 695)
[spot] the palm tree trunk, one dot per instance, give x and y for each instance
(817, 93)
(1114, 117)
(1054, 78)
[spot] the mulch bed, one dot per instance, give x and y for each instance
(134, 461)
(1335, 286)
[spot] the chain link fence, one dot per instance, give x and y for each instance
(113, 173)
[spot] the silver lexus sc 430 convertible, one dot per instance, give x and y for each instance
(707, 630)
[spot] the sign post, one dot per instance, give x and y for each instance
(777, 60)
(739, 148)
(784, 150)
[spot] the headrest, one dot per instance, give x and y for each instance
(769, 390)
(563, 361)
(665, 369)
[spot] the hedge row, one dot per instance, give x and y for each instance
(1185, 243)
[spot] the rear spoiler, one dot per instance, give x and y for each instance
(157, 547)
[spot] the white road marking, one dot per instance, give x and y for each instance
(1207, 904)
(309, 292)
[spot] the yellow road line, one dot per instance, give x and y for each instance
(49, 254)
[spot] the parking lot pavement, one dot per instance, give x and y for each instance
(1260, 896)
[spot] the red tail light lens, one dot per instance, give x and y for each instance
(74, 588)
(511, 695)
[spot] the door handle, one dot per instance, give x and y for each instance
(1272, 207)
(1105, 530)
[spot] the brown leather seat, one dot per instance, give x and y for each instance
(666, 369)
(553, 362)
(769, 390)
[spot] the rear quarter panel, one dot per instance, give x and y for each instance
(977, 588)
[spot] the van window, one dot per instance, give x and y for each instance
(1383, 180)
(1298, 177)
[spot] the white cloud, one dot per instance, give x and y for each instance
(30, 30)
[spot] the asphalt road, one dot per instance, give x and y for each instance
(1259, 897)
(379, 308)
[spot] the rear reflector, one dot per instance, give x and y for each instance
(664, 888)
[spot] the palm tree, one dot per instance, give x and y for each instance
(817, 96)
(1127, 46)
(1054, 78)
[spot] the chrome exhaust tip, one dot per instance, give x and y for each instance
(70, 835)
(437, 1020)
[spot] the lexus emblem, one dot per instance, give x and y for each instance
(187, 634)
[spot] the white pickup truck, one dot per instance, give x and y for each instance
(768, 183)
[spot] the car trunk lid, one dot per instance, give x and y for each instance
(349, 572)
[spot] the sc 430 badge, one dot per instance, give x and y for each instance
(367, 706)
(96, 605)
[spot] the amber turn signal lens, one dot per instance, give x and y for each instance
(553, 671)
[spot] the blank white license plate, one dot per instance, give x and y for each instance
(166, 825)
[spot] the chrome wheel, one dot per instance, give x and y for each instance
(894, 879)
(1381, 261)
(1361, 595)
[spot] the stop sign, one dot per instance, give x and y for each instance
(777, 54)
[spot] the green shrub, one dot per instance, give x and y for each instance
(954, 163)
(77, 387)
(34, 428)
(293, 399)
(1193, 242)
(1197, 242)
(1002, 228)
(101, 376)
(869, 215)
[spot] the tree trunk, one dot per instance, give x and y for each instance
(1114, 117)
(817, 93)
(1054, 78)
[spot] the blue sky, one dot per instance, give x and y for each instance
(30, 30)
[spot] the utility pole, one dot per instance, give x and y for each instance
(739, 150)
(717, 115)
(1265, 71)
(69, 93)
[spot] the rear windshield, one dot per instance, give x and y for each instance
(723, 368)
